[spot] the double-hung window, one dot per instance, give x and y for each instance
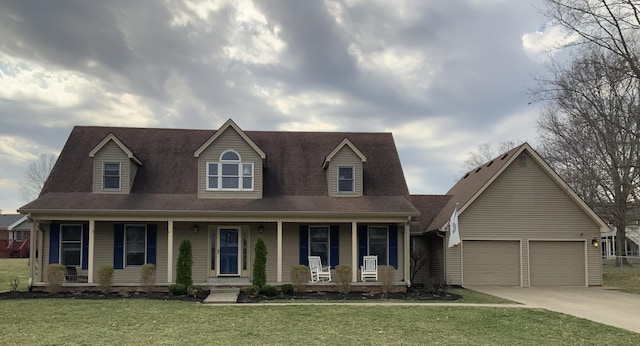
(377, 238)
(345, 179)
(111, 176)
(230, 173)
(71, 245)
(135, 244)
(319, 243)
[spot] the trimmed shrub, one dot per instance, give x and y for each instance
(260, 264)
(148, 277)
(343, 278)
(299, 277)
(178, 289)
(436, 285)
(287, 289)
(386, 275)
(252, 291)
(194, 291)
(183, 267)
(105, 278)
(55, 277)
(269, 291)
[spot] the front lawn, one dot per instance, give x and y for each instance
(11, 268)
(627, 278)
(151, 322)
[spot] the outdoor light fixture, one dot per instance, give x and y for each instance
(195, 228)
(260, 229)
(595, 242)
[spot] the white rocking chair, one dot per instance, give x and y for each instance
(369, 268)
(318, 272)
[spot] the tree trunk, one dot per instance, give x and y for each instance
(621, 249)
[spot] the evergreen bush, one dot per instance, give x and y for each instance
(260, 264)
(178, 289)
(287, 289)
(183, 267)
(269, 291)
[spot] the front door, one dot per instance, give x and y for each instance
(229, 252)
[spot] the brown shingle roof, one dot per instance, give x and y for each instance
(293, 168)
(429, 206)
(470, 184)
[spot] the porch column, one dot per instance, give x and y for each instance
(92, 243)
(354, 251)
(32, 252)
(170, 251)
(279, 251)
(407, 252)
(40, 252)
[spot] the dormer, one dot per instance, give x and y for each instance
(344, 166)
(114, 166)
(230, 165)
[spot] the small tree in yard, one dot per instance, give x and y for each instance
(260, 264)
(185, 261)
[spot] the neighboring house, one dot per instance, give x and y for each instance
(632, 242)
(14, 235)
(520, 224)
(129, 196)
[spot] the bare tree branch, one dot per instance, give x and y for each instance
(36, 176)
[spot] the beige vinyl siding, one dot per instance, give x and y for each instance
(557, 263)
(130, 274)
(230, 140)
(431, 247)
(525, 203)
(110, 152)
(495, 263)
(345, 157)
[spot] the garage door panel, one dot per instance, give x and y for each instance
(491, 263)
(557, 263)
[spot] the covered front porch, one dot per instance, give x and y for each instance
(223, 248)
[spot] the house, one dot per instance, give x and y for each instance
(14, 235)
(632, 242)
(128, 196)
(520, 225)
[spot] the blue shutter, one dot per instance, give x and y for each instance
(54, 243)
(362, 243)
(393, 246)
(304, 245)
(152, 230)
(85, 246)
(334, 249)
(118, 246)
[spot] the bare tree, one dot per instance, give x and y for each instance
(611, 25)
(484, 153)
(37, 175)
(589, 133)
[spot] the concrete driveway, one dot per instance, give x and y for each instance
(610, 307)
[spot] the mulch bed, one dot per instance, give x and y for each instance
(412, 293)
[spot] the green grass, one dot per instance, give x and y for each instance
(140, 321)
(13, 268)
(627, 278)
(469, 296)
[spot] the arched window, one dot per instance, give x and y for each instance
(229, 173)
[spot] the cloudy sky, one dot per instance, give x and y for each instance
(443, 76)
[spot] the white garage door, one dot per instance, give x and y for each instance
(495, 263)
(557, 263)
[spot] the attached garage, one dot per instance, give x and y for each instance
(489, 262)
(557, 263)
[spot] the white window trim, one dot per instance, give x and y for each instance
(353, 179)
(240, 176)
(328, 242)
(368, 238)
(60, 254)
(104, 188)
(124, 253)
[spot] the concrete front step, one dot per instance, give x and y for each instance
(222, 295)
